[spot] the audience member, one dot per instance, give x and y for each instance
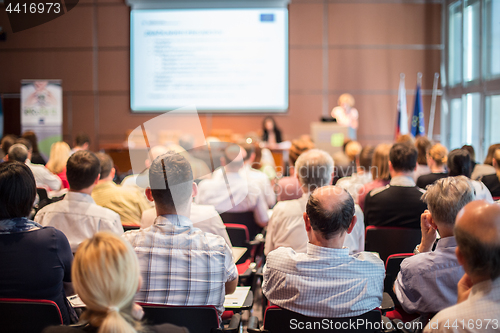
(423, 145)
(82, 142)
(180, 264)
(487, 167)
(289, 187)
(233, 192)
(459, 165)
(34, 260)
(59, 154)
(106, 277)
(436, 160)
(406, 138)
(271, 133)
(7, 141)
(141, 180)
(77, 215)
(399, 204)
(200, 168)
(362, 175)
(477, 231)
(472, 154)
(492, 182)
(128, 202)
(17, 152)
(326, 281)
(427, 282)
(43, 177)
(36, 157)
(379, 171)
(286, 227)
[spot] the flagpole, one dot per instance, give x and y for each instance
(433, 104)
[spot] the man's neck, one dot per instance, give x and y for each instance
(445, 231)
(395, 174)
(336, 242)
(87, 190)
(184, 211)
(104, 180)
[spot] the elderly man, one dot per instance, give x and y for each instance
(180, 264)
(399, 204)
(326, 281)
(477, 230)
(314, 169)
(427, 282)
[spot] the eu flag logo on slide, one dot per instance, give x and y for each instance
(267, 17)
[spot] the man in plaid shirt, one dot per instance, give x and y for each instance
(180, 264)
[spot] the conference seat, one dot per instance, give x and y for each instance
(28, 315)
(200, 319)
(391, 240)
(246, 218)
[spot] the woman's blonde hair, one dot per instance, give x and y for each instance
(346, 98)
(439, 154)
(380, 162)
(59, 154)
(106, 276)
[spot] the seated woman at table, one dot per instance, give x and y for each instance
(106, 277)
(34, 260)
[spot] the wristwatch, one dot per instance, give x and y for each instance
(416, 251)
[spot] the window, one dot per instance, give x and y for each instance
(492, 120)
(455, 44)
(456, 123)
(492, 38)
(471, 39)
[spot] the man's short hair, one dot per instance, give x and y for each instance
(314, 169)
(459, 163)
(330, 223)
(403, 157)
(231, 154)
(482, 259)
(82, 169)
(447, 196)
(18, 152)
(81, 139)
(7, 142)
(365, 157)
(106, 163)
(17, 190)
(171, 180)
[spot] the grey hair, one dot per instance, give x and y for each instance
(18, 152)
(447, 196)
(314, 169)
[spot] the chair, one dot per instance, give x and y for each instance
(496, 198)
(246, 218)
(391, 240)
(278, 320)
(130, 227)
(28, 315)
(202, 319)
(392, 267)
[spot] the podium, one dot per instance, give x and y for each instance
(330, 136)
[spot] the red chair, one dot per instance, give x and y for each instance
(391, 240)
(278, 320)
(202, 319)
(496, 198)
(28, 315)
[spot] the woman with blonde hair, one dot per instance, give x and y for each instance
(379, 170)
(59, 154)
(437, 157)
(106, 276)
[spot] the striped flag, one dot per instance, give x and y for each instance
(417, 121)
(402, 124)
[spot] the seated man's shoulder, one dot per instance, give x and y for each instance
(369, 259)
(379, 190)
(288, 208)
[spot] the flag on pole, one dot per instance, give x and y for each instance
(417, 121)
(402, 124)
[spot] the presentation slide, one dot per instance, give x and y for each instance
(219, 60)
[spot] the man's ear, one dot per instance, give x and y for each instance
(195, 190)
(307, 222)
(97, 179)
(112, 173)
(149, 194)
(460, 257)
(495, 164)
(353, 223)
(391, 169)
(431, 221)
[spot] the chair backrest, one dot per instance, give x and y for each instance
(238, 234)
(278, 320)
(130, 227)
(391, 240)
(392, 267)
(28, 315)
(246, 218)
(496, 198)
(202, 319)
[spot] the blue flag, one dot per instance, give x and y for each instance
(417, 121)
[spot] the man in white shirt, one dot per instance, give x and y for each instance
(326, 281)
(204, 217)
(233, 192)
(77, 215)
(257, 176)
(180, 264)
(314, 169)
(477, 231)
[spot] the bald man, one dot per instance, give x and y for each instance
(477, 230)
(326, 281)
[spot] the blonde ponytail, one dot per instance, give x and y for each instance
(106, 277)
